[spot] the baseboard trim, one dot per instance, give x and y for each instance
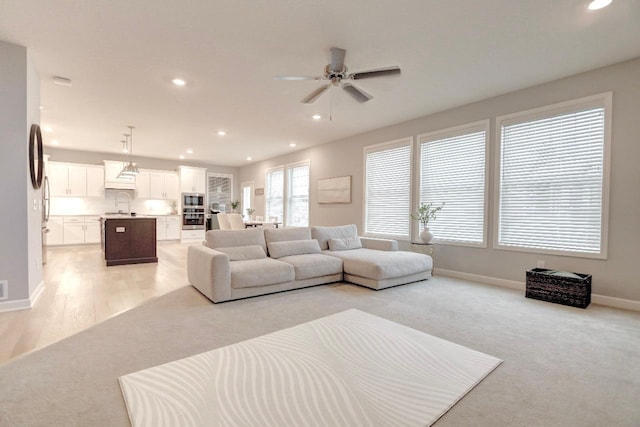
(23, 304)
(622, 303)
(35, 296)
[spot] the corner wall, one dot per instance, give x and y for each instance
(20, 223)
(614, 277)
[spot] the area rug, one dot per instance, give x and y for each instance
(347, 369)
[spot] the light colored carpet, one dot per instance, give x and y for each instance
(347, 369)
(562, 366)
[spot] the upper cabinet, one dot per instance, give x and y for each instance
(157, 185)
(111, 180)
(193, 180)
(74, 180)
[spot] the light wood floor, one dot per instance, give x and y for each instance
(81, 291)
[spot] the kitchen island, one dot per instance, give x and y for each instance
(128, 239)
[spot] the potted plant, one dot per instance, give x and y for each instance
(234, 205)
(250, 212)
(425, 213)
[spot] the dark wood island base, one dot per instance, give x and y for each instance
(129, 240)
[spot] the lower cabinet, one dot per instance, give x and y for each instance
(168, 227)
(73, 230)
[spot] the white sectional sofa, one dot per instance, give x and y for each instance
(233, 264)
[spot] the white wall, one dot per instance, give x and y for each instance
(614, 277)
(20, 224)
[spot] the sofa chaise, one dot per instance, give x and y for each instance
(234, 264)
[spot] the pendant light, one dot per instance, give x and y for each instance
(129, 170)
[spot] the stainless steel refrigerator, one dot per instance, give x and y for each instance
(46, 205)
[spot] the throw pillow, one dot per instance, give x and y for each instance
(293, 247)
(241, 253)
(345, 244)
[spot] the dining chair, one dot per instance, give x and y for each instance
(235, 221)
(223, 221)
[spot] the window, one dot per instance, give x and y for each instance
(274, 193)
(452, 171)
(297, 212)
(219, 191)
(247, 196)
(388, 189)
(290, 202)
(554, 179)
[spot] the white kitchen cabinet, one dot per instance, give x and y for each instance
(143, 185)
(157, 185)
(73, 234)
(78, 230)
(174, 226)
(161, 228)
(95, 181)
(168, 227)
(75, 180)
(193, 180)
(58, 175)
(171, 186)
(55, 226)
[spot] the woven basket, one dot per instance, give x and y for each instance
(575, 292)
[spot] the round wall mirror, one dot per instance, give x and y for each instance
(36, 157)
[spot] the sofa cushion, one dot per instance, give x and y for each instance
(345, 244)
(323, 234)
(229, 238)
(260, 272)
(241, 253)
(286, 234)
(380, 265)
(310, 266)
(293, 247)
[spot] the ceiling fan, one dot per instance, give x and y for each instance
(336, 73)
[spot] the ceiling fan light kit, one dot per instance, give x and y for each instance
(336, 72)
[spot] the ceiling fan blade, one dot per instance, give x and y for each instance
(315, 94)
(298, 78)
(358, 94)
(388, 71)
(337, 58)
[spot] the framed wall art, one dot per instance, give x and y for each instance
(334, 190)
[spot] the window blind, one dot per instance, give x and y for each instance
(297, 195)
(452, 171)
(388, 190)
(551, 182)
(274, 193)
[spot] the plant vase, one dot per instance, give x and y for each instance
(426, 235)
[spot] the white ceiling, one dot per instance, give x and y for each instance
(122, 54)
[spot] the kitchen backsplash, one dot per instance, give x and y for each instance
(94, 206)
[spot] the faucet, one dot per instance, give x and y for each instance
(128, 202)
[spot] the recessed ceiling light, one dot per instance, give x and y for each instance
(55, 142)
(221, 133)
(47, 128)
(178, 81)
(293, 144)
(599, 4)
(189, 151)
(181, 157)
(316, 117)
(249, 158)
